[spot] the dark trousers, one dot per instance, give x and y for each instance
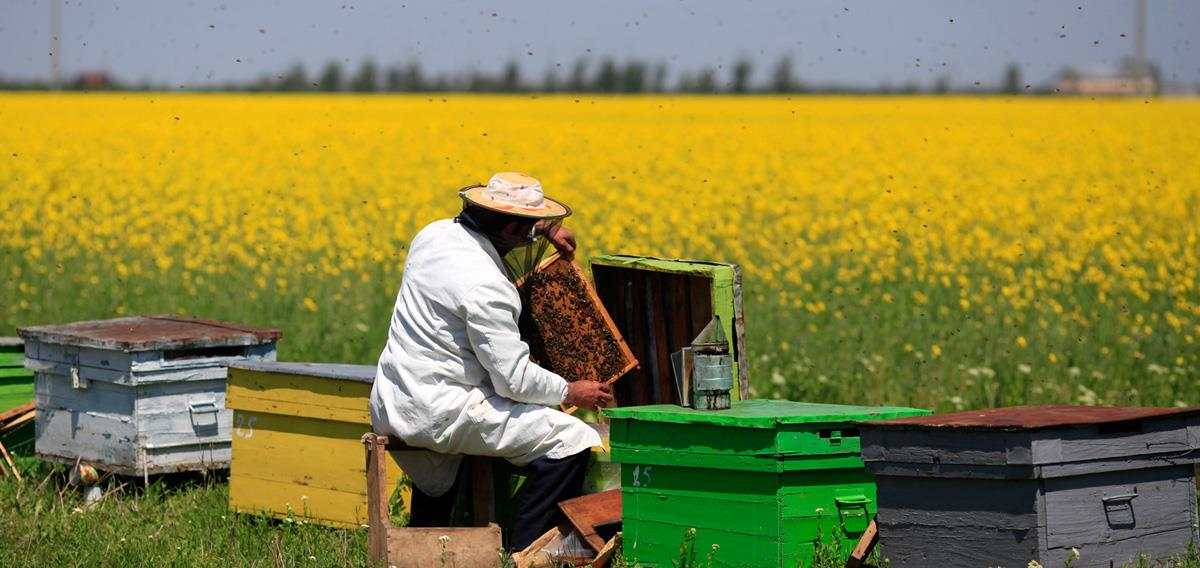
(547, 481)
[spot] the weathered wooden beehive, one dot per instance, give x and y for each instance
(138, 395)
(766, 480)
(1005, 486)
(297, 448)
(659, 306)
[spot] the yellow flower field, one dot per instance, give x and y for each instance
(940, 252)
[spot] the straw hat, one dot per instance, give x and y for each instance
(514, 193)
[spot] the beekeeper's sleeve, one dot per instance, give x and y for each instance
(491, 312)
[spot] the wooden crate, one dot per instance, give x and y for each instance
(138, 395)
(402, 547)
(1005, 486)
(296, 443)
(766, 480)
(660, 306)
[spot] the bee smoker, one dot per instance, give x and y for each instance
(704, 370)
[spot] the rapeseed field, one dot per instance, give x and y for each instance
(946, 252)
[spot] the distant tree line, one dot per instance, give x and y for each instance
(605, 75)
(583, 76)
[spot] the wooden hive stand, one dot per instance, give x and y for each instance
(462, 547)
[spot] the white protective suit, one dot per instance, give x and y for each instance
(455, 376)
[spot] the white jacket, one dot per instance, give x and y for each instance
(455, 376)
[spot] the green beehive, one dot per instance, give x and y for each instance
(765, 480)
(16, 388)
(16, 382)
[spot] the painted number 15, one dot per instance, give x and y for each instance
(641, 476)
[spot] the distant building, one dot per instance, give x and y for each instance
(1125, 79)
(92, 80)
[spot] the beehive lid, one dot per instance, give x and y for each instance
(762, 413)
(147, 333)
(336, 371)
(1015, 418)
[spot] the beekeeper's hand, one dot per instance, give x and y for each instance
(561, 237)
(588, 394)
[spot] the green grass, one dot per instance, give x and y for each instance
(176, 521)
(182, 520)
(924, 349)
(921, 348)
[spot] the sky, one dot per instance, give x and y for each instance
(848, 43)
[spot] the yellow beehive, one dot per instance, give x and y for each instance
(296, 441)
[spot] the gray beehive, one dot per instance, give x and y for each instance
(138, 395)
(1005, 486)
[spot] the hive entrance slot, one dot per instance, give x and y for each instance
(204, 352)
(1126, 427)
(845, 433)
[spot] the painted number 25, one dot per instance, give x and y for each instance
(242, 420)
(641, 476)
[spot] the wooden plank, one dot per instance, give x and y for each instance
(740, 359)
(586, 512)
(274, 498)
(164, 360)
(305, 453)
(662, 346)
(186, 456)
(866, 544)
(142, 333)
(474, 547)
(18, 421)
(297, 450)
(297, 395)
(243, 401)
(678, 308)
(606, 554)
(483, 491)
(8, 460)
(106, 441)
(128, 378)
(335, 371)
(653, 326)
(700, 296)
(16, 412)
(378, 523)
(633, 293)
(530, 556)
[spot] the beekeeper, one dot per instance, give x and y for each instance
(455, 377)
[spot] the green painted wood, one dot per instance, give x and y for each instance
(15, 391)
(727, 462)
(767, 481)
(12, 356)
(760, 413)
(15, 372)
(789, 440)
